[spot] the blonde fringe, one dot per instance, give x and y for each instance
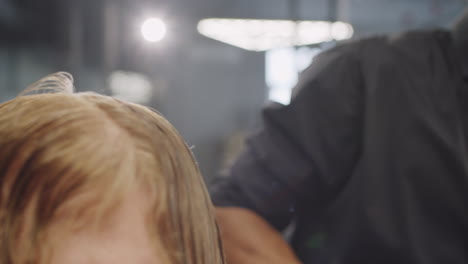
(56, 82)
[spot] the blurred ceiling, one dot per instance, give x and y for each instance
(39, 17)
(61, 24)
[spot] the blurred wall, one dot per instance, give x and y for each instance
(216, 91)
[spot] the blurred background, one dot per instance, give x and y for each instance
(207, 65)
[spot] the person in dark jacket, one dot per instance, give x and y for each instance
(369, 161)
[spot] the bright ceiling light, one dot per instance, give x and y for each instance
(153, 30)
(261, 35)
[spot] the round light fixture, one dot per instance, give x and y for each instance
(153, 30)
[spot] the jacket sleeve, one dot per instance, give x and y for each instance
(304, 151)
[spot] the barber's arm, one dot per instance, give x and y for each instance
(249, 239)
(293, 163)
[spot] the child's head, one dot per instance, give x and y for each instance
(86, 178)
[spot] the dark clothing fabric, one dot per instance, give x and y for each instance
(370, 159)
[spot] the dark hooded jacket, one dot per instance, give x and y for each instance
(370, 159)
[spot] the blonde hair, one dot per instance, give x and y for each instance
(74, 156)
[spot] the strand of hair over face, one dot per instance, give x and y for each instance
(58, 82)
